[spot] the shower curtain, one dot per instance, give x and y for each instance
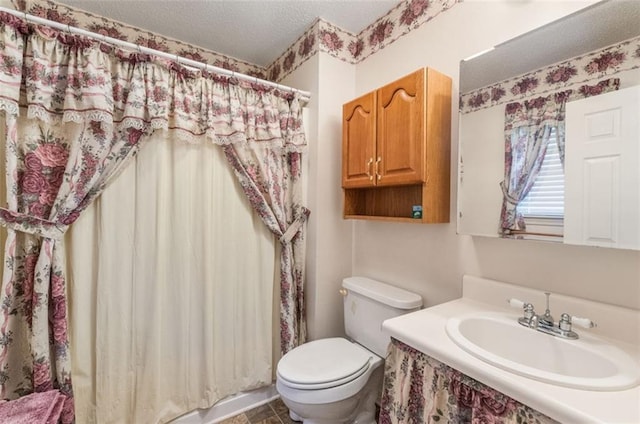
(171, 275)
(77, 112)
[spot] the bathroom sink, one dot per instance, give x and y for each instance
(588, 363)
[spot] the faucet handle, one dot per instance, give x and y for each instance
(526, 307)
(583, 322)
(516, 303)
(565, 322)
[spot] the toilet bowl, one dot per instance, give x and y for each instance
(338, 380)
(330, 381)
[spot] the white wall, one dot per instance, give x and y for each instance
(329, 242)
(431, 259)
(481, 149)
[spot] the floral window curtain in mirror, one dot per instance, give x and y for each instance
(76, 111)
(528, 127)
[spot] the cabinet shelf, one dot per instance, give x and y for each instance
(384, 218)
(394, 203)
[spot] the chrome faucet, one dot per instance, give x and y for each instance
(545, 322)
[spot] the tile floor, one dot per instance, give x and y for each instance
(274, 412)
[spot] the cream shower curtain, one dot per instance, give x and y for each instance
(171, 280)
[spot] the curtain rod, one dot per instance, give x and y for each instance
(304, 95)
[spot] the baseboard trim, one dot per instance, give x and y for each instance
(229, 407)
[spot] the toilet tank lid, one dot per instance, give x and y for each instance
(383, 293)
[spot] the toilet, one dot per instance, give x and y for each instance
(338, 380)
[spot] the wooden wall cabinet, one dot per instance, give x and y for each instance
(396, 150)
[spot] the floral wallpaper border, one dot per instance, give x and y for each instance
(321, 36)
(352, 48)
(610, 60)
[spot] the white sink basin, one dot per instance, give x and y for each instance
(587, 363)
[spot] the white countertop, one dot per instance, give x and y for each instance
(424, 330)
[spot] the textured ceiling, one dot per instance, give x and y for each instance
(595, 27)
(256, 31)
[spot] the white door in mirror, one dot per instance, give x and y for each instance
(602, 170)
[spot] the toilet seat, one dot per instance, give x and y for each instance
(336, 369)
(323, 364)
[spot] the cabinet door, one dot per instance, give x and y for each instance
(359, 141)
(401, 131)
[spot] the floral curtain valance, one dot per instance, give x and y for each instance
(74, 78)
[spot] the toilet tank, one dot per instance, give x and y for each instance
(367, 303)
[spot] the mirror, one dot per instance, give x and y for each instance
(590, 46)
